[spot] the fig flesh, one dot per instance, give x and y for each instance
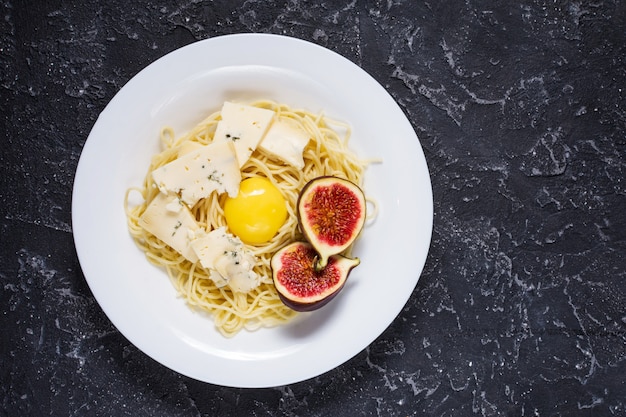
(300, 285)
(331, 214)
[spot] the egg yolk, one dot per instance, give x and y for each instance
(257, 212)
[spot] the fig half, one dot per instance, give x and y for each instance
(331, 214)
(300, 285)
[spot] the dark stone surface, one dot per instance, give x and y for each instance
(521, 111)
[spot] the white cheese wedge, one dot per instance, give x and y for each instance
(198, 173)
(244, 126)
(171, 226)
(175, 205)
(227, 260)
(286, 140)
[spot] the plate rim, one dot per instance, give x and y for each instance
(127, 89)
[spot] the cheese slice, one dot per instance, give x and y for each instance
(286, 140)
(171, 222)
(199, 172)
(227, 259)
(244, 126)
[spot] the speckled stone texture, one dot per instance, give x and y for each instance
(521, 111)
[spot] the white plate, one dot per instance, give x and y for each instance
(179, 90)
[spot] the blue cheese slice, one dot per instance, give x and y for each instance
(199, 172)
(244, 126)
(286, 140)
(170, 221)
(227, 259)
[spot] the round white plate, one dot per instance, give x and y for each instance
(179, 90)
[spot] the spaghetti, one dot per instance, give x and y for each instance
(326, 153)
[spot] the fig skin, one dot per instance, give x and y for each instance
(300, 285)
(331, 213)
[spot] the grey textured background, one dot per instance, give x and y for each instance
(521, 111)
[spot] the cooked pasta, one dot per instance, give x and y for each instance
(326, 153)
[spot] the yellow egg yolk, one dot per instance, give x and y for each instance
(257, 212)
